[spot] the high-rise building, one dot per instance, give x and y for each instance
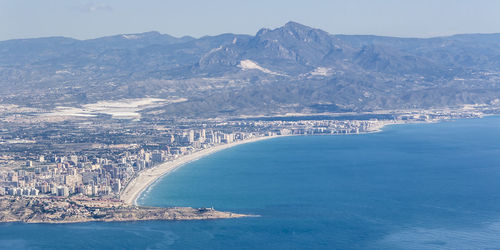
(202, 135)
(157, 157)
(191, 136)
(117, 186)
(74, 159)
(147, 156)
(95, 190)
(229, 138)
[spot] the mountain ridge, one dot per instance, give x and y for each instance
(497, 34)
(290, 69)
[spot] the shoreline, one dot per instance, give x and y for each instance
(148, 177)
(63, 210)
(145, 179)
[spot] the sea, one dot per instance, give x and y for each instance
(414, 186)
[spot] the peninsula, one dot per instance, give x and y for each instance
(83, 209)
(98, 175)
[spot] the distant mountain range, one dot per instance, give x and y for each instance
(290, 69)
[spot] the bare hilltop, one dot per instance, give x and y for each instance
(82, 209)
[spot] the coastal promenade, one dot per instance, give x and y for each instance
(147, 177)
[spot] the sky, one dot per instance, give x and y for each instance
(91, 19)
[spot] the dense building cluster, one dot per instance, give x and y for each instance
(96, 176)
(105, 170)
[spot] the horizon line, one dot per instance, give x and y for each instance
(231, 33)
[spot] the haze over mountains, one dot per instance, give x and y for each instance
(290, 69)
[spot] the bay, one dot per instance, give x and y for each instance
(417, 186)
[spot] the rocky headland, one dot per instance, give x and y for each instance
(82, 209)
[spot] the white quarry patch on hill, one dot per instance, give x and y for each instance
(130, 37)
(321, 71)
(58, 72)
(249, 64)
(210, 52)
(214, 50)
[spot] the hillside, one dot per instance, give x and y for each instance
(291, 69)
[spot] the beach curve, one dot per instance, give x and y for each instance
(146, 178)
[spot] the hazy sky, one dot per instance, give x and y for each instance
(90, 19)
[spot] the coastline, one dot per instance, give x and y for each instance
(145, 179)
(140, 183)
(57, 210)
(83, 209)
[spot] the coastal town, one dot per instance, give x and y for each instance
(116, 168)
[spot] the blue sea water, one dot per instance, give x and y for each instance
(419, 186)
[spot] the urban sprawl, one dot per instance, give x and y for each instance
(95, 159)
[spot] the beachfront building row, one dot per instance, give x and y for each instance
(106, 175)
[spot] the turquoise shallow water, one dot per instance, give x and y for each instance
(421, 186)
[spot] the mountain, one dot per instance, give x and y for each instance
(293, 68)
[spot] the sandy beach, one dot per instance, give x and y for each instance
(147, 177)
